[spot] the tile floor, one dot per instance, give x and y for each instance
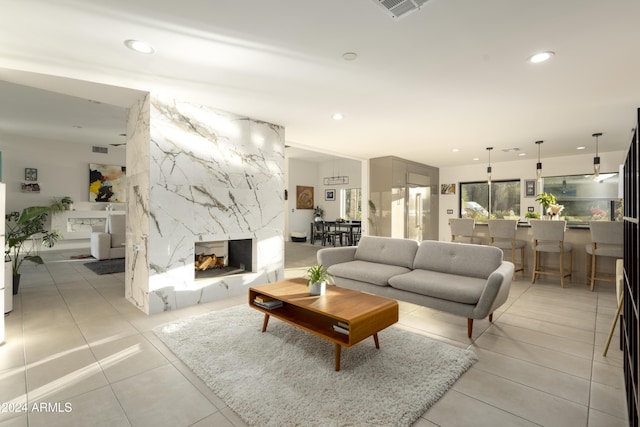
(73, 338)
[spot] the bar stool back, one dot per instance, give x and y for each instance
(462, 230)
(502, 233)
(607, 238)
(548, 236)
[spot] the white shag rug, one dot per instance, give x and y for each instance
(286, 377)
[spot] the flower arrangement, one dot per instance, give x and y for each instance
(554, 210)
(598, 214)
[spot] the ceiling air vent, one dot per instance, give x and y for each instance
(400, 8)
(103, 150)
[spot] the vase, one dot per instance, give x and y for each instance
(317, 289)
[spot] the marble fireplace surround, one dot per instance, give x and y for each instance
(198, 174)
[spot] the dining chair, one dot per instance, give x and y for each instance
(462, 230)
(321, 232)
(548, 236)
(502, 234)
(607, 239)
(355, 234)
(330, 232)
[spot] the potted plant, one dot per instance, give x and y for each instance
(61, 204)
(67, 202)
(532, 215)
(318, 277)
(318, 214)
(23, 226)
(546, 200)
(372, 218)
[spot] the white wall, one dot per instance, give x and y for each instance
(339, 167)
(299, 172)
(63, 170)
(521, 169)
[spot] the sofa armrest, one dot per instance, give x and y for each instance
(496, 290)
(100, 245)
(330, 256)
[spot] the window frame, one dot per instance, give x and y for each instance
(490, 188)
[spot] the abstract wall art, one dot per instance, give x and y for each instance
(107, 183)
(304, 197)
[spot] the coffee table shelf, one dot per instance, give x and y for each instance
(364, 314)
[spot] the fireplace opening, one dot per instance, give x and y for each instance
(223, 258)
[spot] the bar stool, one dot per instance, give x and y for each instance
(548, 236)
(462, 230)
(607, 238)
(502, 233)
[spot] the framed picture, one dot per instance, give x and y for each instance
(31, 187)
(530, 188)
(447, 189)
(107, 183)
(30, 174)
(304, 197)
(330, 195)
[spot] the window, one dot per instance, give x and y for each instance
(351, 203)
(586, 198)
(474, 200)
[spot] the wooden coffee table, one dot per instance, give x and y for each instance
(364, 315)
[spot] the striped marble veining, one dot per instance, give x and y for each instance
(213, 176)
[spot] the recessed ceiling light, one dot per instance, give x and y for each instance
(580, 148)
(475, 159)
(541, 57)
(455, 150)
(139, 46)
(337, 116)
(522, 154)
(349, 56)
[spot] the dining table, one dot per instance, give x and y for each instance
(349, 228)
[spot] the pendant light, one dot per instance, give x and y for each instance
(539, 164)
(489, 167)
(596, 159)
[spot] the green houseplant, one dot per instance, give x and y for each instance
(24, 226)
(317, 278)
(318, 213)
(546, 200)
(372, 218)
(61, 204)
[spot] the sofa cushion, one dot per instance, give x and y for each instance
(458, 258)
(387, 250)
(364, 271)
(451, 287)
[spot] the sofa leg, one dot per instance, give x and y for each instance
(491, 317)
(469, 326)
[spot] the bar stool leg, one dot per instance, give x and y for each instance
(535, 265)
(594, 261)
(561, 266)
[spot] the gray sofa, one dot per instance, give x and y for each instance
(458, 278)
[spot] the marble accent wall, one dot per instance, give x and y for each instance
(138, 165)
(213, 176)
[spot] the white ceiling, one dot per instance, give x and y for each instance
(452, 75)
